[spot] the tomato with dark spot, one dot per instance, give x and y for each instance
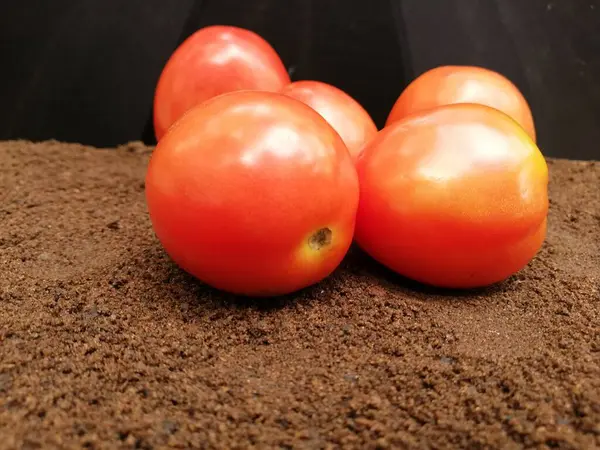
(253, 193)
(344, 113)
(447, 85)
(455, 197)
(215, 60)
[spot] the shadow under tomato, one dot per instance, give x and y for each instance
(161, 284)
(259, 303)
(166, 282)
(361, 263)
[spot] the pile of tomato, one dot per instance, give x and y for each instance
(258, 186)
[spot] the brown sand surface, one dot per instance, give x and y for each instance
(105, 344)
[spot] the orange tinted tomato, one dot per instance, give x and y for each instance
(253, 193)
(454, 197)
(343, 113)
(213, 61)
(463, 84)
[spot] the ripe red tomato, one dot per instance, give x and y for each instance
(463, 84)
(253, 193)
(454, 197)
(213, 61)
(343, 113)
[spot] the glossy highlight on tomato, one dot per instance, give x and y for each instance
(253, 193)
(214, 60)
(447, 85)
(455, 197)
(344, 114)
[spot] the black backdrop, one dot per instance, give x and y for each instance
(85, 70)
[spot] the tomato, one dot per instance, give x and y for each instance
(212, 61)
(344, 114)
(455, 197)
(463, 84)
(253, 193)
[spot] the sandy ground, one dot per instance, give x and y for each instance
(104, 343)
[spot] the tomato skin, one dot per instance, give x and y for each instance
(212, 61)
(238, 186)
(455, 197)
(342, 112)
(446, 85)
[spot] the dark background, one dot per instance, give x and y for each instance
(85, 70)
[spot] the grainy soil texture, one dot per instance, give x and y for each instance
(106, 344)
